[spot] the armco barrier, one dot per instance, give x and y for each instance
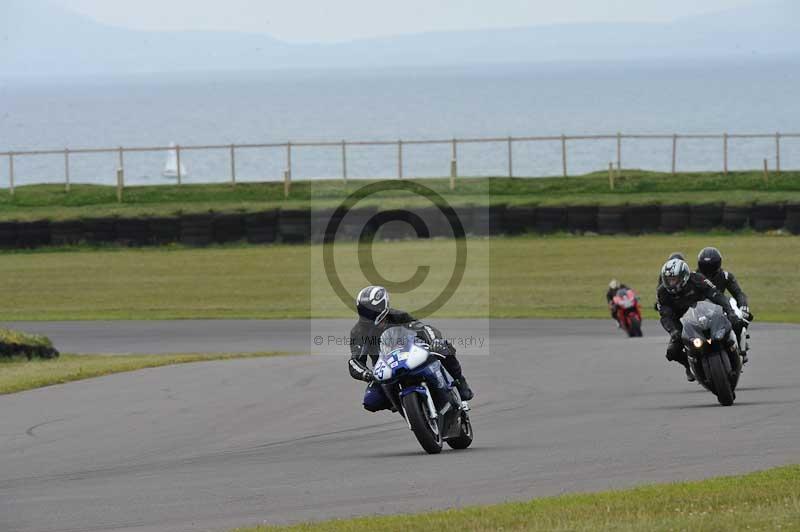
(100, 230)
(261, 227)
(294, 226)
(228, 228)
(33, 234)
(66, 232)
(643, 219)
(611, 220)
(674, 218)
(518, 219)
(582, 219)
(164, 229)
(197, 229)
(302, 226)
(550, 219)
(8, 234)
(767, 217)
(792, 221)
(705, 217)
(735, 217)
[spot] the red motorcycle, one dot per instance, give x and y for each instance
(629, 314)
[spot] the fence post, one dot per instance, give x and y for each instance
(564, 154)
(674, 151)
(233, 165)
(611, 175)
(453, 174)
(11, 173)
(287, 183)
(121, 158)
(400, 159)
(766, 172)
(619, 152)
(178, 162)
(725, 153)
(289, 158)
(66, 169)
(510, 159)
(120, 183)
(778, 153)
(344, 161)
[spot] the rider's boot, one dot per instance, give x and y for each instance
(453, 367)
(689, 375)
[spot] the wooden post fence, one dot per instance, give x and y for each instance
(66, 169)
(11, 173)
(289, 160)
(564, 154)
(619, 151)
(674, 152)
(611, 176)
(178, 161)
(344, 161)
(233, 165)
(287, 183)
(400, 159)
(778, 153)
(725, 153)
(510, 159)
(120, 183)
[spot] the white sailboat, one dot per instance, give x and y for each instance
(171, 167)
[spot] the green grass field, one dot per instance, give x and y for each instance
(768, 500)
(561, 276)
(17, 375)
(635, 186)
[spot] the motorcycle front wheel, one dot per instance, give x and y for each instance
(425, 428)
(719, 377)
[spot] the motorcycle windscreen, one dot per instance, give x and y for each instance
(401, 345)
(705, 320)
(625, 298)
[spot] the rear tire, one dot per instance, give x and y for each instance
(464, 439)
(428, 431)
(719, 378)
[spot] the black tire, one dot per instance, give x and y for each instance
(428, 432)
(719, 378)
(636, 328)
(464, 439)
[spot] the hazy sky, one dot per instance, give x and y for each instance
(327, 20)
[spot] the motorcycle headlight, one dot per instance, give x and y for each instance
(697, 343)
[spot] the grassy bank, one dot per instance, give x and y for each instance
(768, 500)
(635, 187)
(19, 374)
(560, 276)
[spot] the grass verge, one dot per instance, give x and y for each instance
(560, 276)
(768, 500)
(633, 186)
(19, 374)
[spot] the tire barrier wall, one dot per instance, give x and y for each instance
(302, 226)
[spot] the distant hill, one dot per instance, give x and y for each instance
(41, 39)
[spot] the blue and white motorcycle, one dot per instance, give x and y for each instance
(422, 390)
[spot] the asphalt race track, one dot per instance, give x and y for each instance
(561, 406)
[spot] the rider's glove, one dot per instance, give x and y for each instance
(746, 312)
(675, 336)
(367, 376)
(440, 346)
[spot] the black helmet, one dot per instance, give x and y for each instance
(674, 275)
(709, 261)
(372, 303)
(677, 255)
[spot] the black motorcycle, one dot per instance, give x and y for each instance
(706, 334)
